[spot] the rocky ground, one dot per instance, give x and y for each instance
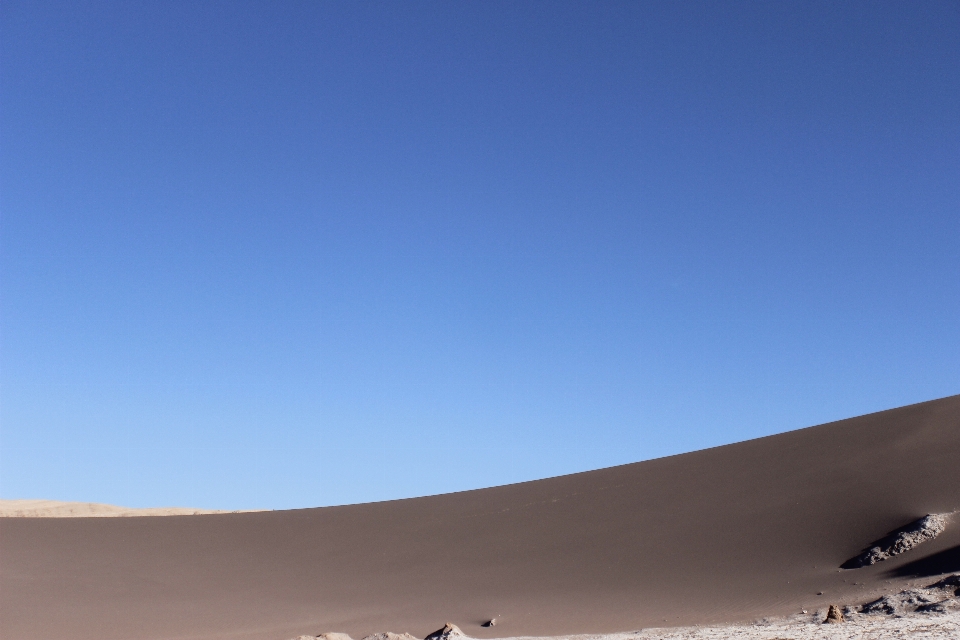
(928, 613)
(919, 626)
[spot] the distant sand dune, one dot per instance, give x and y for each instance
(726, 535)
(55, 509)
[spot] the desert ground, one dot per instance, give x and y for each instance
(912, 625)
(751, 535)
(925, 613)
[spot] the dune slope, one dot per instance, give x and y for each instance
(752, 529)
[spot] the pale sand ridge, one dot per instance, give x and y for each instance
(56, 509)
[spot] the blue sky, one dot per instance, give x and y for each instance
(291, 254)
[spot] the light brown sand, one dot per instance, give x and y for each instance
(56, 509)
(724, 535)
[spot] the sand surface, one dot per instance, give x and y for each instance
(731, 534)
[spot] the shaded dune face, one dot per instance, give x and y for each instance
(733, 533)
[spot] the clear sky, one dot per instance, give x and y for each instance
(291, 254)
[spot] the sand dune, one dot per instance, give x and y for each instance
(56, 509)
(735, 533)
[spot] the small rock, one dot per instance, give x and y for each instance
(949, 583)
(448, 632)
(492, 622)
(888, 605)
(834, 615)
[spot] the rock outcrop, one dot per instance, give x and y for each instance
(449, 631)
(901, 540)
(939, 597)
(834, 615)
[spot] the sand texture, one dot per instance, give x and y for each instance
(726, 535)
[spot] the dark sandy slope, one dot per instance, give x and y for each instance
(732, 533)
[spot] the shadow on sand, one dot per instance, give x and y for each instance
(947, 561)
